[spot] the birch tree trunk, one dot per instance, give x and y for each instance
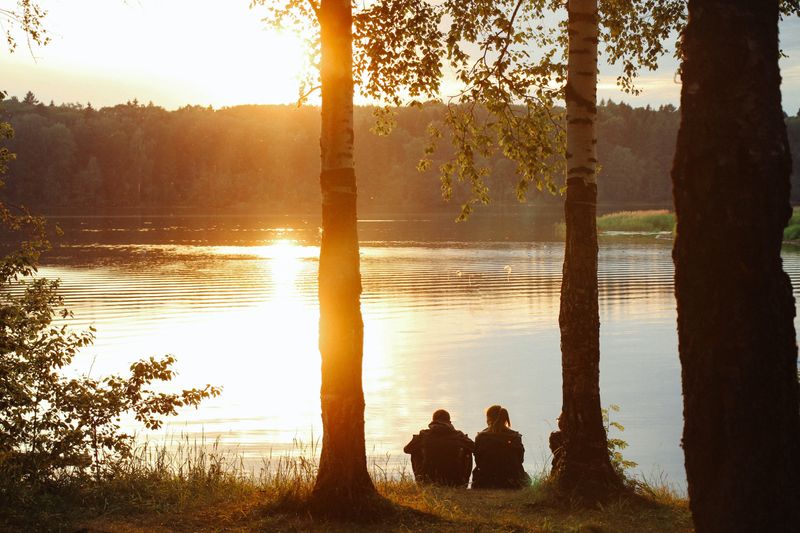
(581, 465)
(738, 352)
(343, 479)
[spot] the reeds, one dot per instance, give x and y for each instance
(650, 222)
(653, 221)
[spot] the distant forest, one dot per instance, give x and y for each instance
(134, 155)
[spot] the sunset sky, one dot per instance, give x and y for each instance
(178, 52)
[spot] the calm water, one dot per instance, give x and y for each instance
(459, 317)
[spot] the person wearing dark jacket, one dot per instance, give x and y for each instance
(499, 454)
(441, 454)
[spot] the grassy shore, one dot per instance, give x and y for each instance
(655, 221)
(659, 221)
(202, 489)
(646, 223)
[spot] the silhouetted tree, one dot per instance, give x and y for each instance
(30, 99)
(735, 307)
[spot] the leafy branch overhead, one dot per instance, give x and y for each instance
(500, 65)
(509, 60)
(26, 17)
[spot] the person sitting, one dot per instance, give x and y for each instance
(499, 454)
(441, 454)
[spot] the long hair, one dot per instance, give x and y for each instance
(498, 418)
(501, 421)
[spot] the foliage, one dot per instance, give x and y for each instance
(27, 17)
(509, 60)
(506, 102)
(52, 426)
(141, 155)
(792, 231)
(398, 43)
(27, 232)
(640, 221)
(789, 8)
(616, 445)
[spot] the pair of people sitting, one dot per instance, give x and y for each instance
(443, 455)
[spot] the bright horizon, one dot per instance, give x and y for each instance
(225, 55)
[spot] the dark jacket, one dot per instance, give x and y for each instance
(498, 461)
(441, 454)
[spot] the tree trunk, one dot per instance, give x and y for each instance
(581, 465)
(738, 352)
(343, 480)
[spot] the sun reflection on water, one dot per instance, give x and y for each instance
(285, 250)
(273, 377)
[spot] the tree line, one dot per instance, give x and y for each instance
(135, 155)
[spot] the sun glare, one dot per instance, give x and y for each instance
(282, 250)
(272, 75)
(267, 357)
(186, 52)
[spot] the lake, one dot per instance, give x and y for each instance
(457, 316)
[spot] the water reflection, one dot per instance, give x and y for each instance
(455, 325)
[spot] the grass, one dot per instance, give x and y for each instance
(792, 231)
(635, 222)
(655, 221)
(202, 488)
(659, 221)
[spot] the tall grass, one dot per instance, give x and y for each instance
(180, 474)
(166, 477)
(654, 221)
(197, 485)
(657, 221)
(792, 231)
